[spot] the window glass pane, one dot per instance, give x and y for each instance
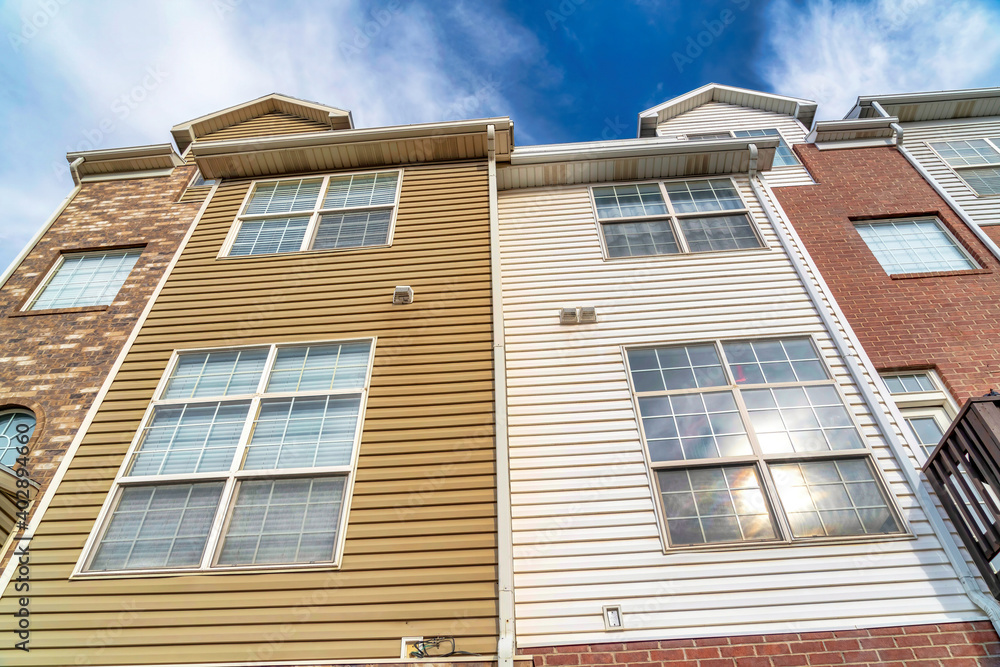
(87, 279)
(632, 239)
(16, 428)
(303, 433)
(784, 156)
(928, 432)
(704, 196)
(362, 190)
(709, 135)
(223, 373)
(913, 246)
(785, 360)
(625, 201)
(967, 153)
(284, 196)
(158, 526)
(199, 437)
(320, 367)
(284, 521)
(709, 505)
(693, 426)
(353, 230)
(679, 367)
(801, 419)
(985, 180)
(831, 498)
(905, 383)
(723, 232)
(262, 237)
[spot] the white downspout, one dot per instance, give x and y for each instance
(955, 206)
(45, 228)
(790, 241)
(505, 538)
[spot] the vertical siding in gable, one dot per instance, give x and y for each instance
(719, 116)
(584, 525)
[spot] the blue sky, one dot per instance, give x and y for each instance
(82, 74)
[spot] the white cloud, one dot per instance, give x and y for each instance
(143, 67)
(831, 53)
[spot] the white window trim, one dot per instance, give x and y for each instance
(315, 213)
(732, 134)
(213, 543)
(923, 404)
(37, 292)
(943, 227)
(759, 460)
(957, 170)
(671, 217)
(194, 177)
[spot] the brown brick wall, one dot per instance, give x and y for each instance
(947, 645)
(949, 322)
(55, 361)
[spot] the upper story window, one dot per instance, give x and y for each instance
(914, 246)
(244, 459)
(16, 428)
(783, 157)
(673, 217)
(751, 441)
(85, 279)
(320, 213)
(977, 161)
(924, 403)
(199, 180)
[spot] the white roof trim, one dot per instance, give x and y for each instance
(119, 163)
(648, 146)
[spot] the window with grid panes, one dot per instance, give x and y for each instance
(319, 213)
(16, 428)
(783, 155)
(750, 441)
(673, 217)
(977, 161)
(85, 279)
(243, 460)
(923, 403)
(914, 246)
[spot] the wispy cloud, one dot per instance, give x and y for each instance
(833, 52)
(85, 79)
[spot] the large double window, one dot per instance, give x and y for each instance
(673, 217)
(245, 459)
(322, 213)
(751, 441)
(977, 161)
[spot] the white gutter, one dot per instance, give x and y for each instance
(791, 243)
(955, 206)
(45, 228)
(505, 538)
(624, 148)
(50, 492)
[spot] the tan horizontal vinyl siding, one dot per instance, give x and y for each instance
(719, 117)
(420, 552)
(274, 123)
(585, 531)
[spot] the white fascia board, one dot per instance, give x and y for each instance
(932, 96)
(855, 143)
(130, 153)
(624, 148)
(125, 175)
(859, 124)
(333, 137)
(273, 96)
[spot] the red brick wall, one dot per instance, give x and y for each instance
(947, 645)
(55, 361)
(947, 322)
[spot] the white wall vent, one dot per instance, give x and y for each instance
(568, 316)
(402, 295)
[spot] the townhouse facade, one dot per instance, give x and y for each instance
(414, 395)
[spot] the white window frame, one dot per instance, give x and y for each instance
(935, 403)
(216, 536)
(672, 218)
(196, 175)
(732, 135)
(758, 460)
(958, 169)
(37, 292)
(314, 214)
(943, 227)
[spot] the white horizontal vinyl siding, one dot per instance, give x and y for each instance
(917, 139)
(585, 532)
(719, 117)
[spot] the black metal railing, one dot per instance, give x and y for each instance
(964, 470)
